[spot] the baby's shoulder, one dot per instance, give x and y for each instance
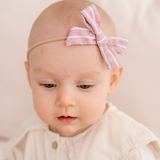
(121, 121)
(126, 135)
(30, 129)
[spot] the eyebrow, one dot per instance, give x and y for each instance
(89, 73)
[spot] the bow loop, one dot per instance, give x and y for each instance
(92, 20)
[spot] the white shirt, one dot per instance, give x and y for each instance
(115, 136)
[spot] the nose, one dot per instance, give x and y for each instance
(65, 98)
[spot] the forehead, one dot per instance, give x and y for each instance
(58, 57)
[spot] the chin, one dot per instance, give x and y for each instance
(67, 129)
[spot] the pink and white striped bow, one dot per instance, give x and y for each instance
(109, 46)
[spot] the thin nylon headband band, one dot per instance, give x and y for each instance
(43, 42)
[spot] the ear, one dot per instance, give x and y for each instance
(27, 66)
(114, 80)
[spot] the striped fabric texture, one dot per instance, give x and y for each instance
(109, 46)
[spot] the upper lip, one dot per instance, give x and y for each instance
(65, 116)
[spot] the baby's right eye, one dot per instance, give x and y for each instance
(49, 85)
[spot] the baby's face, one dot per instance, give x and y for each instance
(68, 81)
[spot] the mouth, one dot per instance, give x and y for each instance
(66, 119)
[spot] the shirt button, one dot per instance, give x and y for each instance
(54, 145)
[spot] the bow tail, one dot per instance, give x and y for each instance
(119, 44)
(110, 56)
(119, 49)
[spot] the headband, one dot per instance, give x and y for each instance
(109, 46)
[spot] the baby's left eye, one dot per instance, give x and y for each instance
(49, 85)
(85, 86)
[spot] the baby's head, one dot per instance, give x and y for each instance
(69, 80)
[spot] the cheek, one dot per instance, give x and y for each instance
(93, 110)
(94, 105)
(43, 104)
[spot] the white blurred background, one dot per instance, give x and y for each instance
(138, 94)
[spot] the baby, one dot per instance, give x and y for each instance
(72, 66)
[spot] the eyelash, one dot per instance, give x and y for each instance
(51, 85)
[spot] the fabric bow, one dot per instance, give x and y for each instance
(109, 46)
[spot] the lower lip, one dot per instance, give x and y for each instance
(66, 119)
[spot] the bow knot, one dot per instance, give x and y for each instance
(101, 38)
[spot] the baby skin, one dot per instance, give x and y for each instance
(69, 84)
